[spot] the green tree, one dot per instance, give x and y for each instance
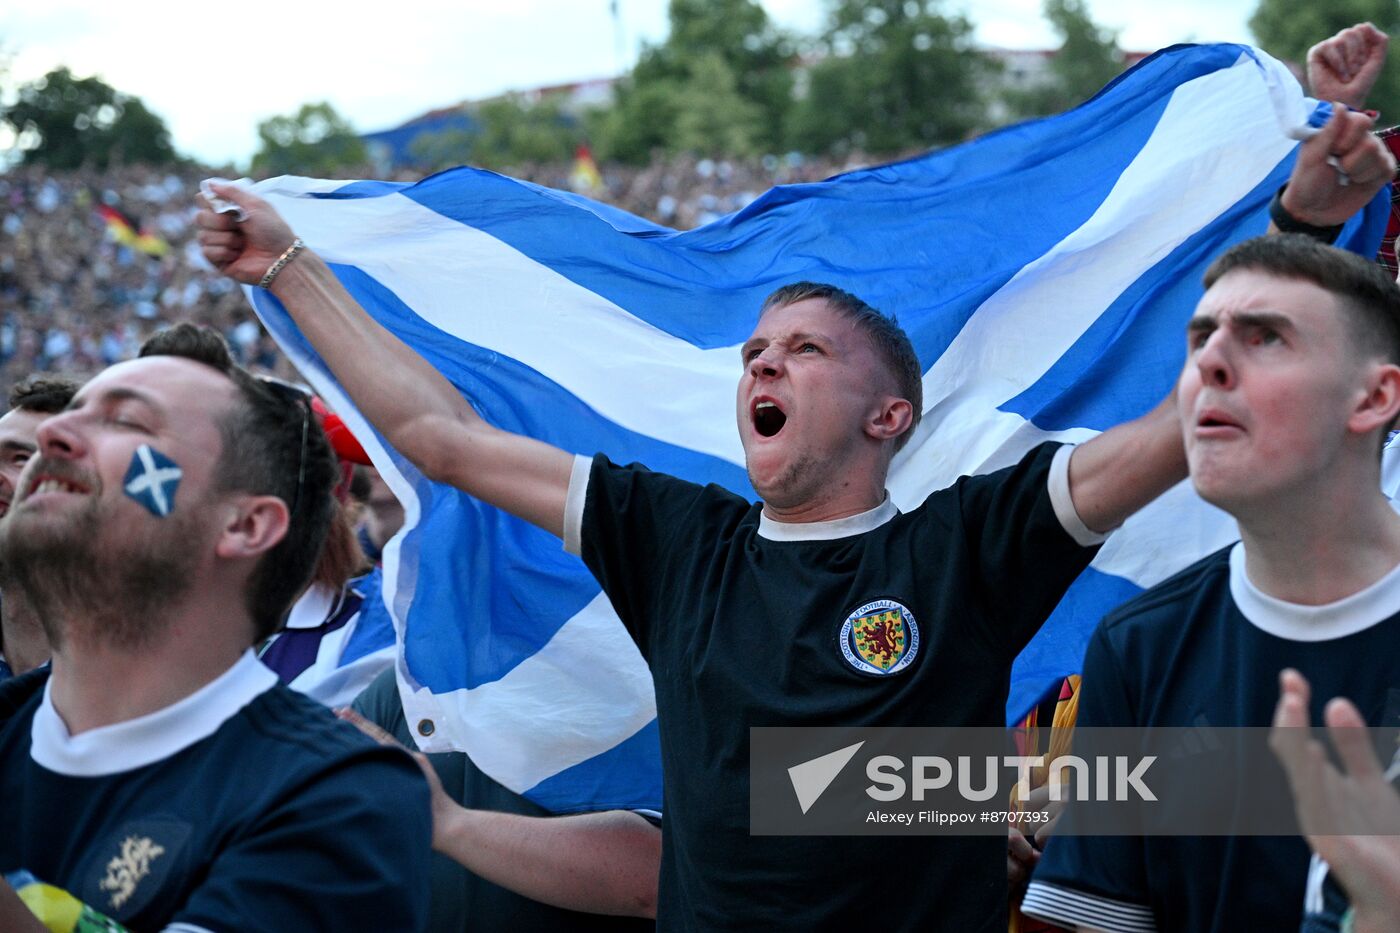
(316, 140)
(714, 117)
(443, 149)
(895, 75)
(1087, 59)
(65, 122)
(1287, 29)
(719, 55)
(641, 120)
(738, 33)
(512, 132)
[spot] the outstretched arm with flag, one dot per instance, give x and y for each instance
(427, 420)
(420, 413)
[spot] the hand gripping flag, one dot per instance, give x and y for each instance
(1044, 272)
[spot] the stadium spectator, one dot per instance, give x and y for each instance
(322, 650)
(23, 645)
(1291, 383)
(338, 635)
(77, 291)
(827, 390)
(157, 772)
(818, 444)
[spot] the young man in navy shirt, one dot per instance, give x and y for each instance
(1291, 385)
(159, 774)
(828, 391)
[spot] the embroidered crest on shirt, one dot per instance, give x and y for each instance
(126, 870)
(880, 638)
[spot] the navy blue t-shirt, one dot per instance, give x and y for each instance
(885, 619)
(1203, 649)
(280, 818)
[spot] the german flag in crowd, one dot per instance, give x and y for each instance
(124, 230)
(585, 178)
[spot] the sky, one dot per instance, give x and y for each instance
(214, 74)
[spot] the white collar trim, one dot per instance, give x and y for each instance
(1295, 622)
(857, 524)
(314, 607)
(135, 743)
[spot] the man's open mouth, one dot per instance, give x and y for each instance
(768, 418)
(45, 483)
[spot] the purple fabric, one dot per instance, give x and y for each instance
(293, 651)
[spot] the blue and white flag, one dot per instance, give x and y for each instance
(1044, 272)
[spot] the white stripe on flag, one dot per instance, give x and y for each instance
(577, 697)
(566, 697)
(525, 310)
(1216, 140)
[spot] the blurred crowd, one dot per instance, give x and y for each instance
(93, 262)
(75, 298)
(687, 191)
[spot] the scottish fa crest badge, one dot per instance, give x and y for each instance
(140, 863)
(880, 638)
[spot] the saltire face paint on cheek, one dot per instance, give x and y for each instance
(152, 480)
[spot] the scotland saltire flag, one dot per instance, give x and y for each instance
(152, 480)
(1044, 272)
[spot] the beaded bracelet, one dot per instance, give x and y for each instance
(286, 257)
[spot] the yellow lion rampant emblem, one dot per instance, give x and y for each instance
(125, 871)
(880, 637)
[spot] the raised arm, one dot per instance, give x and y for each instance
(1344, 68)
(420, 413)
(1127, 466)
(607, 862)
(1338, 171)
(1341, 168)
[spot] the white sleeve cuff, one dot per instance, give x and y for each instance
(573, 504)
(1063, 502)
(1071, 908)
